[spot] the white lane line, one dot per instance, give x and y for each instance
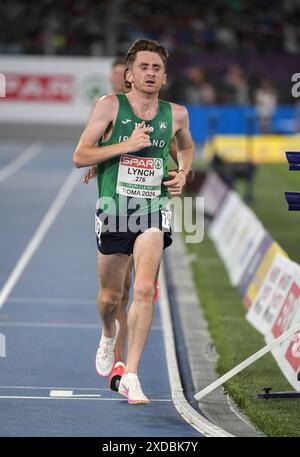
(2, 345)
(20, 161)
(22, 397)
(61, 393)
(65, 325)
(51, 388)
(14, 397)
(48, 325)
(51, 301)
(189, 414)
(61, 198)
(85, 395)
(70, 393)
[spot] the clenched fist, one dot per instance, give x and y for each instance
(139, 138)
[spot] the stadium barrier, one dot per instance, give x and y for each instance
(268, 281)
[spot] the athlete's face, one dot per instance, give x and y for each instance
(117, 77)
(147, 73)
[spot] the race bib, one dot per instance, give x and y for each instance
(140, 177)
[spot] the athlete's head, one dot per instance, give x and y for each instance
(117, 74)
(146, 66)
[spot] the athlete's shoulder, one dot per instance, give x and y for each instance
(106, 108)
(179, 112)
(110, 100)
(176, 108)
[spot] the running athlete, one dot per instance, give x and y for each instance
(132, 165)
(117, 83)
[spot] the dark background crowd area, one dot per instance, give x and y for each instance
(221, 51)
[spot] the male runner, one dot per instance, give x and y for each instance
(132, 164)
(118, 85)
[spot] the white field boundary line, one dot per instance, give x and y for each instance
(53, 388)
(257, 355)
(51, 301)
(65, 325)
(39, 234)
(20, 161)
(15, 397)
(192, 417)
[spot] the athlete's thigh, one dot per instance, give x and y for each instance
(112, 270)
(147, 253)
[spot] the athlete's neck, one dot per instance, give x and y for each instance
(144, 105)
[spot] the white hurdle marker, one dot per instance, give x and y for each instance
(214, 385)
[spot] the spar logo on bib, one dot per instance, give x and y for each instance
(140, 176)
(147, 163)
(158, 164)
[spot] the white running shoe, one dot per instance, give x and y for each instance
(130, 387)
(105, 357)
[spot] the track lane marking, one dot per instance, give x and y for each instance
(27, 155)
(19, 397)
(51, 301)
(52, 388)
(59, 201)
(187, 412)
(71, 325)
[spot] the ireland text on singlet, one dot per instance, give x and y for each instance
(132, 182)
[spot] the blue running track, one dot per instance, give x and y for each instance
(50, 320)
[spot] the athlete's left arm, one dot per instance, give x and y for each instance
(173, 150)
(185, 149)
(185, 143)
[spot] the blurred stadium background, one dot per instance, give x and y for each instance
(232, 64)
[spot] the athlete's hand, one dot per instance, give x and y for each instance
(175, 183)
(90, 174)
(139, 138)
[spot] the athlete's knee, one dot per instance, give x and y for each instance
(143, 290)
(109, 300)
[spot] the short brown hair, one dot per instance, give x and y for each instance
(145, 45)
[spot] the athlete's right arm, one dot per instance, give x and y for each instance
(105, 113)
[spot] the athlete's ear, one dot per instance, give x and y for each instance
(165, 79)
(129, 76)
